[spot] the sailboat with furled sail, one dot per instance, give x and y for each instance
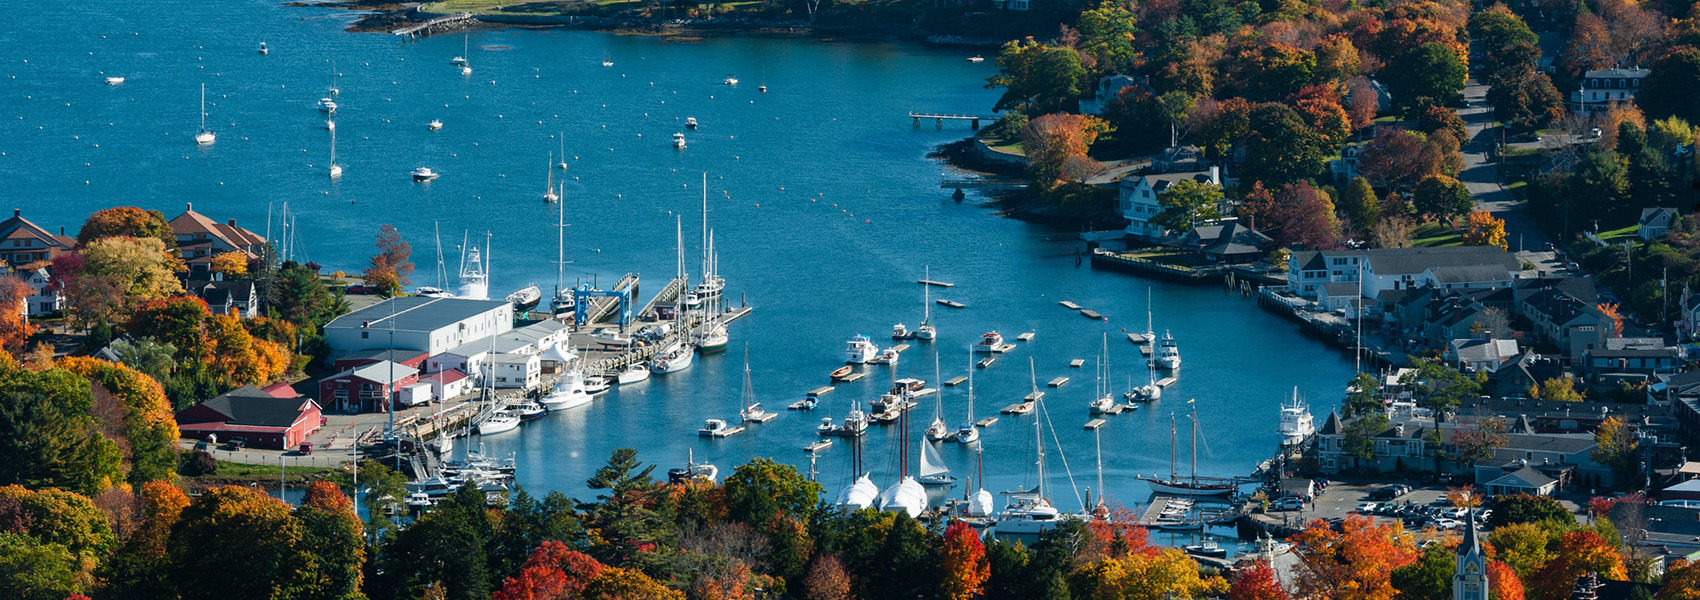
(969, 432)
(1193, 485)
(706, 297)
(1030, 511)
(549, 194)
(937, 431)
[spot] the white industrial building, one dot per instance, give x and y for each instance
(430, 325)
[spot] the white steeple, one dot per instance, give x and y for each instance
(1470, 581)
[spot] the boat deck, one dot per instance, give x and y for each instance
(1091, 314)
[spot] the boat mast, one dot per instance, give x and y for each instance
(1195, 446)
(1038, 426)
(1097, 440)
(560, 250)
(927, 299)
(442, 278)
(971, 389)
(203, 108)
(1172, 448)
(938, 404)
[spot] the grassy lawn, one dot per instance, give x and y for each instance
(229, 471)
(1433, 235)
(1618, 236)
(1009, 146)
(1168, 256)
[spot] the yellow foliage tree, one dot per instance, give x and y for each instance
(232, 264)
(143, 266)
(237, 357)
(1154, 575)
(1483, 229)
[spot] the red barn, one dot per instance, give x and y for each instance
(250, 414)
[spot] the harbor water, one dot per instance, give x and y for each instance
(824, 206)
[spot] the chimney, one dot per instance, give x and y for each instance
(232, 222)
(1216, 175)
(191, 207)
(17, 212)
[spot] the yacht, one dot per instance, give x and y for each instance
(674, 359)
(900, 332)
(730, 80)
(861, 350)
(690, 122)
(1168, 356)
(526, 298)
(887, 356)
(474, 276)
(431, 292)
(713, 428)
(610, 339)
(1296, 424)
(114, 80)
(633, 374)
(499, 422)
(713, 338)
(327, 105)
(205, 136)
(693, 471)
(1029, 511)
(975, 59)
(419, 501)
(678, 140)
(529, 411)
(568, 393)
(434, 125)
(595, 385)
(424, 174)
(989, 342)
(264, 49)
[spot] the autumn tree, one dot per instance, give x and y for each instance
(148, 424)
(1482, 229)
(1395, 159)
(1577, 553)
(237, 542)
(231, 265)
(1673, 85)
(1436, 118)
(1526, 97)
(1471, 444)
(1056, 146)
(963, 564)
(70, 521)
(236, 357)
(1320, 108)
(614, 583)
(1521, 546)
(1297, 213)
(1589, 46)
(1036, 77)
(1353, 563)
(1503, 583)
(15, 326)
(390, 266)
(1362, 102)
(827, 580)
(147, 270)
(1281, 147)
(331, 533)
(1560, 389)
(1441, 197)
(127, 221)
(1616, 445)
(138, 568)
(1276, 70)
(1609, 309)
(1682, 581)
(1257, 583)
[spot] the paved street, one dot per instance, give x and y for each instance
(1481, 174)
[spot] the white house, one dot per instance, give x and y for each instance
(1654, 222)
(1480, 355)
(1603, 86)
(430, 325)
(41, 300)
(1137, 200)
(1455, 267)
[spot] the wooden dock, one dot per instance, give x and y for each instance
(727, 432)
(1076, 363)
(1024, 337)
(986, 422)
(936, 283)
(1058, 382)
(1004, 348)
(1094, 424)
(1069, 305)
(851, 377)
(900, 348)
(955, 381)
(1091, 314)
(821, 391)
(818, 446)
(1166, 382)
(1033, 396)
(762, 417)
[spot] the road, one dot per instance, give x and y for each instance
(1481, 174)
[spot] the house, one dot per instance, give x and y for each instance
(1526, 480)
(254, 416)
(431, 325)
(1012, 4)
(522, 371)
(1639, 356)
(1137, 200)
(1109, 88)
(366, 388)
(1401, 447)
(1184, 159)
(1688, 319)
(1341, 298)
(43, 299)
(1654, 222)
(1345, 168)
(1471, 355)
(199, 239)
(23, 242)
(452, 383)
(1515, 376)
(1600, 87)
(225, 296)
(1454, 267)
(1228, 241)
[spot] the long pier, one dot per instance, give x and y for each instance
(437, 25)
(940, 118)
(613, 364)
(984, 184)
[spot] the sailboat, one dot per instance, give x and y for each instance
(1029, 511)
(1099, 511)
(606, 62)
(563, 164)
(1189, 486)
(336, 169)
(926, 330)
(979, 506)
(679, 356)
(933, 470)
(937, 431)
(206, 136)
(562, 301)
(713, 335)
(1102, 401)
(968, 432)
(466, 47)
(465, 44)
(906, 495)
(1146, 336)
(752, 411)
(1148, 392)
(334, 91)
(549, 194)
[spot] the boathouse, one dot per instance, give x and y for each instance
(429, 325)
(250, 414)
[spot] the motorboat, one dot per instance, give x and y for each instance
(693, 471)
(678, 140)
(264, 49)
(907, 386)
(989, 342)
(327, 105)
(568, 392)
(1208, 548)
(114, 80)
(434, 125)
(887, 356)
(713, 427)
(419, 501)
(674, 359)
(529, 411)
(1168, 355)
(596, 385)
(900, 332)
(690, 122)
(431, 292)
(526, 298)
(205, 136)
(424, 174)
(431, 487)
(861, 350)
(975, 59)
(610, 338)
(730, 80)
(855, 424)
(633, 374)
(1297, 424)
(498, 422)
(841, 372)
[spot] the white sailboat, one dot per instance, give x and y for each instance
(906, 495)
(606, 61)
(980, 503)
(205, 136)
(926, 331)
(465, 44)
(706, 297)
(969, 432)
(563, 164)
(676, 358)
(1146, 336)
(333, 89)
(933, 470)
(937, 431)
(336, 169)
(466, 47)
(860, 495)
(549, 194)
(1029, 511)
(633, 374)
(1102, 401)
(752, 412)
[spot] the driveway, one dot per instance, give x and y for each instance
(1481, 174)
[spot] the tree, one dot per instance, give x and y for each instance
(1359, 204)
(964, 565)
(1616, 445)
(1477, 443)
(1441, 197)
(1578, 553)
(1036, 77)
(1682, 581)
(1280, 147)
(1354, 563)
(1429, 578)
(827, 580)
(1320, 108)
(1589, 46)
(63, 518)
(236, 542)
(390, 266)
(1056, 146)
(47, 438)
(146, 355)
(1257, 583)
(614, 583)
(127, 221)
(1673, 85)
(1601, 182)
(178, 321)
(1187, 204)
(303, 299)
(623, 519)
(1436, 118)
(148, 422)
(1296, 214)
(1362, 102)
(1359, 442)
(1482, 229)
(138, 569)
(232, 264)
(1522, 546)
(144, 266)
(1526, 508)
(758, 490)
(31, 570)
(1432, 70)
(331, 534)
(1276, 70)
(1526, 97)
(1107, 34)
(447, 546)
(15, 327)
(1363, 396)
(1437, 386)
(1503, 583)
(1395, 159)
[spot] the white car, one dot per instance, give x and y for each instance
(1288, 504)
(1366, 508)
(1447, 523)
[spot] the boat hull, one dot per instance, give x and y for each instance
(497, 426)
(1184, 489)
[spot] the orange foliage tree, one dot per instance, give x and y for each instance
(127, 221)
(1355, 563)
(1258, 583)
(231, 265)
(237, 357)
(1482, 229)
(1578, 553)
(827, 579)
(1609, 309)
(1682, 581)
(148, 422)
(1503, 582)
(1056, 146)
(552, 572)
(963, 562)
(15, 327)
(614, 583)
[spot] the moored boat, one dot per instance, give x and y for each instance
(498, 422)
(526, 298)
(861, 350)
(989, 342)
(841, 372)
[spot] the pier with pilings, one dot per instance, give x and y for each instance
(940, 118)
(436, 25)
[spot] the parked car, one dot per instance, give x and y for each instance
(235, 445)
(1287, 504)
(1367, 508)
(1447, 523)
(306, 448)
(359, 289)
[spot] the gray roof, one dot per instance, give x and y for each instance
(249, 405)
(1562, 443)
(415, 313)
(1340, 290)
(380, 372)
(1608, 73)
(1470, 273)
(1526, 477)
(1401, 261)
(1648, 213)
(1484, 350)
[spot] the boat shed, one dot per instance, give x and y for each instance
(429, 325)
(254, 416)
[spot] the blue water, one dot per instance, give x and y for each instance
(824, 206)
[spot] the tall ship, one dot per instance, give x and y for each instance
(1193, 485)
(1297, 424)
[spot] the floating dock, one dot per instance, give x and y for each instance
(986, 422)
(955, 381)
(900, 348)
(851, 377)
(727, 432)
(799, 405)
(1058, 382)
(950, 303)
(818, 446)
(1033, 396)
(1145, 350)
(1092, 314)
(761, 417)
(821, 391)
(1004, 348)
(1076, 363)
(1069, 305)
(1019, 408)
(1024, 337)
(986, 362)
(1094, 423)
(936, 283)
(1165, 382)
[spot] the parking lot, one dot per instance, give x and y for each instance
(1416, 509)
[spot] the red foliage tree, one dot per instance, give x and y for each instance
(963, 563)
(1295, 214)
(1257, 583)
(1578, 553)
(1355, 563)
(1503, 582)
(827, 579)
(552, 572)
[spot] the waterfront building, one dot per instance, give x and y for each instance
(452, 383)
(1136, 200)
(199, 239)
(1228, 241)
(431, 325)
(258, 418)
(23, 242)
(519, 355)
(1448, 268)
(1413, 438)
(367, 388)
(1470, 578)
(411, 358)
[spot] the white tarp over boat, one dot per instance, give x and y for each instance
(862, 494)
(907, 496)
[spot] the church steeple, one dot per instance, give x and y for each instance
(1470, 581)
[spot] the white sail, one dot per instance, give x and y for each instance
(931, 463)
(980, 504)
